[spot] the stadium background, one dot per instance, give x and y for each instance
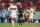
(4, 4)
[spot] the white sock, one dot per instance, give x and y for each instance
(13, 23)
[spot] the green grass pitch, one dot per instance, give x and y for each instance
(17, 25)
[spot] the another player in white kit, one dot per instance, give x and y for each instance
(13, 10)
(31, 15)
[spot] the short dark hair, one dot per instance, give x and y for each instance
(13, 2)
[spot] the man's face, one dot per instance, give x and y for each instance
(13, 3)
(20, 5)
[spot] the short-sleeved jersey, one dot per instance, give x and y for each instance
(31, 10)
(20, 9)
(13, 8)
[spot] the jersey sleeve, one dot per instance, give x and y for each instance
(16, 9)
(9, 9)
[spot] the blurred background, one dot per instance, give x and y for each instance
(5, 16)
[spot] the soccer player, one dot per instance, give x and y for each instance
(20, 11)
(31, 15)
(13, 10)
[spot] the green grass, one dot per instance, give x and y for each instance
(17, 25)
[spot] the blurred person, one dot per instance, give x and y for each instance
(13, 11)
(20, 11)
(26, 17)
(31, 15)
(3, 5)
(6, 5)
(23, 4)
(10, 17)
(18, 3)
(0, 15)
(3, 17)
(0, 4)
(1, 8)
(31, 3)
(34, 17)
(27, 14)
(7, 17)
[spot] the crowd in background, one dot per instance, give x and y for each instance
(4, 4)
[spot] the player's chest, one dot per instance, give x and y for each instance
(13, 8)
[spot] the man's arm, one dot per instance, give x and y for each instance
(9, 9)
(23, 10)
(16, 9)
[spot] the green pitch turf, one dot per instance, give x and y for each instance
(17, 25)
